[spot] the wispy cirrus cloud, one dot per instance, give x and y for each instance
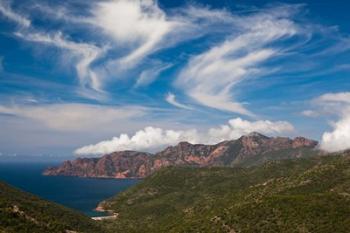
(149, 75)
(7, 11)
(171, 99)
(139, 24)
(209, 78)
(132, 31)
(84, 54)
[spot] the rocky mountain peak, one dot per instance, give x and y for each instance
(253, 140)
(256, 134)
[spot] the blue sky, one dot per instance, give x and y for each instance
(91, 77)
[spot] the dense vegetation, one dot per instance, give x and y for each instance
(304, 195)
(24, 212)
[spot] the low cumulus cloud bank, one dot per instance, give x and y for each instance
(339, 137)
(151, 138)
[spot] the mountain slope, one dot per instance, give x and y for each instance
(303, 195)
(247, 150)
(24, 212)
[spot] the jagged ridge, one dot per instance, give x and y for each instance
(248, 150)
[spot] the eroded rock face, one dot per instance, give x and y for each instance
(300, 141)
(123, 164)
(252, 148)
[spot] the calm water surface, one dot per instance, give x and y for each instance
(82, 194)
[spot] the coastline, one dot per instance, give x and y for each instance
(111, 215)
(44, 173)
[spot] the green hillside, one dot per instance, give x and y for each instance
(24, 212)
(304, 195)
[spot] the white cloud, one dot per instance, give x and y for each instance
(209, 78)
(337, 104)
(171, 99)
(139, 24)
(238, 127)
(60, 12)
(146, 139)
(310, 113)
(85, 54)
(329, 104)
(151, 138)
(134, 29)
(74, 117)
(342, 97)
(7, 11)
(150, 75)
(339, 138)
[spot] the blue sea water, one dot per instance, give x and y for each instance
(82, 194)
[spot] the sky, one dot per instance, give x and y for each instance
(87, 78)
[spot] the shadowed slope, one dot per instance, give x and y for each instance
(24, 212)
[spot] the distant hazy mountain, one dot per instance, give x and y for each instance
(301, 195)
(248, 150)
(24, 212)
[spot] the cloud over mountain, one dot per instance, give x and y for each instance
(151, 138)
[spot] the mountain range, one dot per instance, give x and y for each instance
(252, 184)
(251, 149)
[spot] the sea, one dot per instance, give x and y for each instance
(82, 194)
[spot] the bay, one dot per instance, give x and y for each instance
(82, 194)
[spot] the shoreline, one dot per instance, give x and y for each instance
(114, 216)
(111, 215)
(95, 177)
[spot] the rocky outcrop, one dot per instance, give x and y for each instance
(122, 164)
(247, 150)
